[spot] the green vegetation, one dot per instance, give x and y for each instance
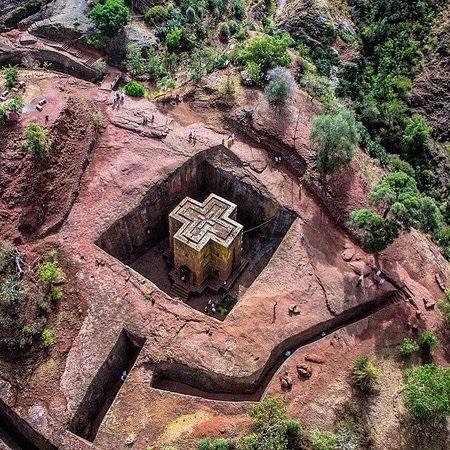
(427, 392)
(408, 347)
(48, 337)
(403, 207)
(35, 139)
(226, 304)
(336, 136)
(134, 89)
(281, 87)
(265, 51)
(110, 16)
(392, 34)
(377, 233)
(443, 305)
(365, 374)
(428, 341)
(323, 440)
(10, 74)
(98, 42)
(49, 271)
(98, 120)
(14, 104)
(216, 444)
(23, 304)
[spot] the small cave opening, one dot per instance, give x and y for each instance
(106, 385)
(17, 434)
(140, 239)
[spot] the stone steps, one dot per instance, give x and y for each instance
(180, 291)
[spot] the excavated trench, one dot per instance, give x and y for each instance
(140, 238)
(17, 434)
(182, 379)
(105, 386)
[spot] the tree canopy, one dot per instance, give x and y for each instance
(109, 17)
(336, 136)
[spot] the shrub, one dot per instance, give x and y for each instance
(7, 252)
(377, 233)
(50, 272)
(294, 433)
(48, 337)
(13, 290)
(323, 440)
(239, 9)
(175, 39)
(56, 294)
(266, 51)
(430, 217)
(249, 442)
(10, 74)
(98, 42)
(134, 89)
(226, 304)
(364, 373)
(408, 347)
(253, 71)
(444, 306)
(224, 31)
(281, 87)
(166, 84)
(98, 120)
(157, 14)
(100, 67)
(134, 62)
(428, 341)
(336, 136)
(154, 66)
(14, 104)
(35, 139)
(217, 444)
(109, 17)
(399, 165)
(417, 133)
(427, 392)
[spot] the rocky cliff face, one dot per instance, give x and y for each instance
(431, 91)
(13, 11)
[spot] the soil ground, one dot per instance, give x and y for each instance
(94, 181)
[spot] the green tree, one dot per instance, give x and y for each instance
(10, 74)
(277, 92)
(428, 341)
(377, 232)
(134, 61)
(365, 373)
(427, 392)
(35, 139)
(109, 17)
(134, 89)
(397, 194)
(14, 104)
(408, 347)
(175, 40)
(158, 14)
(336, 136)
(430, 217)
(417, 133)
(266, 51)
(323, 440)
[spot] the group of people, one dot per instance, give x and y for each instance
(145, 120)
(118, 99)
(211, 305)
(192, 137)
(230, 140)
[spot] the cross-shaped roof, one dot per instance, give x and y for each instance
(202, 222)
